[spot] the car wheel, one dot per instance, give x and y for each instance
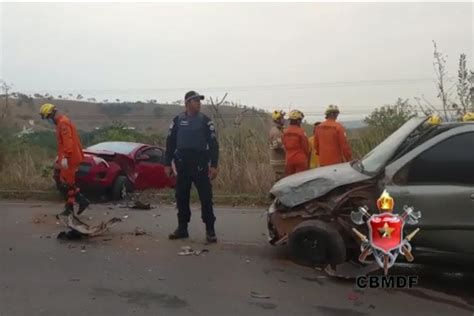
(314, 242)
(122, 188)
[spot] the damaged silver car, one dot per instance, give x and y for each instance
(429, 167)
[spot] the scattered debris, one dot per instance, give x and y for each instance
(141, 206)
(107, 239)
(371, 306)
(198, 252)
(125, 216)
(161, 279)
(188, 251)
(48, 237)
(36, 221)
(137, 249)
(156, 215)
(259, 296)
(139, 231)
(282, 281)
(350, 270)
(11, 249)
(70, 235)
(85, 229)
(247, 260)
(353, 296)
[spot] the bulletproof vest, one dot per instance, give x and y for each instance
(191, 132)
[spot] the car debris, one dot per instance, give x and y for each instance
(188, 251)
(139, 231)
(79, 229)
(259, 296)
(350, 270)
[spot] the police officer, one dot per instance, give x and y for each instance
(192, 144)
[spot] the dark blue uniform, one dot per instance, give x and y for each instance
(192, 143)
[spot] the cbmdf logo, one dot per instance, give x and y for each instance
(385, 239)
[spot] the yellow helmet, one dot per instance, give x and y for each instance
(296, 115)
(46, 110)
(278, 115)
(469, 116)
(434, 119)
(332, 109)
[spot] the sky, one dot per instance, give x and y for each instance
(268, 55)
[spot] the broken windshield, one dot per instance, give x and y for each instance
(379, 156)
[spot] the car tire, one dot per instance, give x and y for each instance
(314, 242)
(121, 188)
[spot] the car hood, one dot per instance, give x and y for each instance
(305, 186)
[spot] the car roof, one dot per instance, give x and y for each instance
(124, 148)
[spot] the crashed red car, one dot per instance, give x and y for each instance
(119, 168)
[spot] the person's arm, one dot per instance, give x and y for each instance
(344, 145)
(212, 142)
(171, 140)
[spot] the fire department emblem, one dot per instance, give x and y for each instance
(386, 240)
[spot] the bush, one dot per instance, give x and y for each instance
(389, 118)
(115, 109)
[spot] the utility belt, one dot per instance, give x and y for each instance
(192, 156)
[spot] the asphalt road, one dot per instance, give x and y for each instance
(120, 273)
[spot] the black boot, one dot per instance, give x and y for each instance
(210, 233)
(68, 210)
(83, 203)
(180, 233)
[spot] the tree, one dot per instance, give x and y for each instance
(390, 117)
(79, 97)
(464, 86)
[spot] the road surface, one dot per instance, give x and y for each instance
(124, 274)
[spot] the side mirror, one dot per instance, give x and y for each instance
(143, 158)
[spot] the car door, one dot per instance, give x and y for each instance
(437, 178)
(150, 169)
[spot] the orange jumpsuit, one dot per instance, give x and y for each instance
(69, 146)
(331, 144)
(297, 149)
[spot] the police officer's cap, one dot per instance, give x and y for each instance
(192, 95)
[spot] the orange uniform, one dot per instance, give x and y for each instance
(69, 146)
(297, 149)
(331, 144)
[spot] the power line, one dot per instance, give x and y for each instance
(333, 84)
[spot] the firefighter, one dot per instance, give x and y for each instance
(434, 119)
(296, 146)
(313, 156)
(70, 155)
(330, 140)
(468, 117)
(277, 151)
(193, 148)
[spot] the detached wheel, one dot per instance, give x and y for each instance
(121, 188)
(314, 242)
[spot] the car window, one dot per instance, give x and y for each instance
(156, 155)
(448, 162)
